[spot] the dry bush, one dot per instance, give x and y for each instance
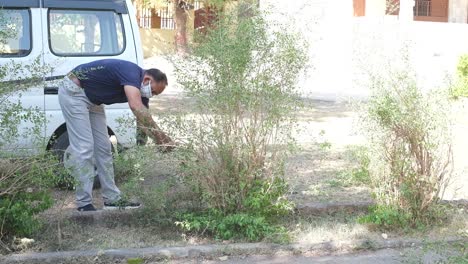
(410, 142)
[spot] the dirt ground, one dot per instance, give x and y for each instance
(327, 136)
(316, 174)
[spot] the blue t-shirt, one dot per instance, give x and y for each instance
(103, 80)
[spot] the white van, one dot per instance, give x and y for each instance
(62, 34)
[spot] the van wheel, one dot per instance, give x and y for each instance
(61, 149)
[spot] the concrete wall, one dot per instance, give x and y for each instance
(458, 11)
(327, 26)
(343, 48)
(375, 7)
(157, 41)
(432, 49)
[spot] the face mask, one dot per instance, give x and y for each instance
(145, 90)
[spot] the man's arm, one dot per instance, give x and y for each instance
(141, 136)
(144, 117)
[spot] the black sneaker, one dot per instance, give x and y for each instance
(86, 208)
(121, 204)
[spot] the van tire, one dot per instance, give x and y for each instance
(59, 149)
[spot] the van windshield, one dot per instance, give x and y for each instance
(15, 32)
(84, 32)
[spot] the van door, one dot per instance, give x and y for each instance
(77, 34)
(21, 81)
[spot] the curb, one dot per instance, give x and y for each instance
(328, 208)
(209, 251)
(106, 218)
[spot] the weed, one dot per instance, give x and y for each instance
(232, 226)
(265, 202)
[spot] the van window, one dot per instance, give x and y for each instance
(84, 32)
(15, 32)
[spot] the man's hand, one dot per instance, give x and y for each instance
(166, 144)
(145, 119)
(166, 148)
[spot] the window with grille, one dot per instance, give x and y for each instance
(422, 8)
(167, 19)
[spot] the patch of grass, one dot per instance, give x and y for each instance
(261, 207)
(438, 252)
(121, 232)
(237, 226)
(340, 226)
(135, 261)
(359, 174)
(440, 218)
(318, 191)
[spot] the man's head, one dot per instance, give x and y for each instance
(158, 80)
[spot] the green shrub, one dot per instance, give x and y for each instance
(24, 182)
(462, 67)
(24, 192)
(232, 226)
(268, 199)
(242, 75)
(387, 217)
(18, 212)
(241, 226)
(265, 202)
(460, 87)
(411, 158)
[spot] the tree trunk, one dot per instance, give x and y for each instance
(180, 19)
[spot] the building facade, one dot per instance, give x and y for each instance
(453, 11)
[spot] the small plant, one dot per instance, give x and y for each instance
(264, 203)
(18, 212)
(387, 217)
(232, 226)
(410, 158)
(360, 173)
(323, 143)
(24, 192)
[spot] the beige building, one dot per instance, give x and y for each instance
(454, 11)
(157, 24)
(157, 28)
